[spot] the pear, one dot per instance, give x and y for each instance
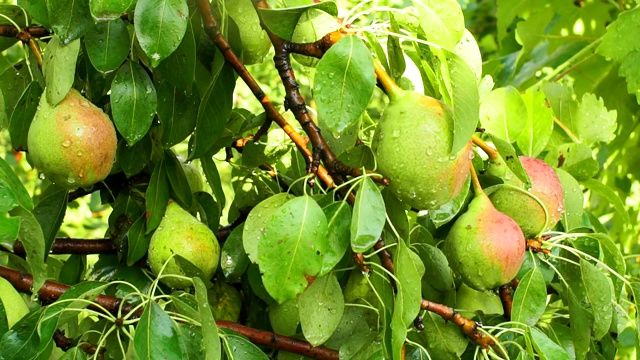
(484, 246)
(73, 143)
(14, 306)
(255, 41)
(412, 147)
(182, 234)
(312, 26)
(225, 301)
(514, 201)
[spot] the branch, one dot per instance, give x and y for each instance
(506, 297)
(24, 33)
(51, 291)
(74, 246)
(211, 28)
(469, 327)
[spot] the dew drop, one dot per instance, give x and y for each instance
(66, 143)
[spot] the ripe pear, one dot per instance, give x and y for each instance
(14, 307)
(523, 208)
(484, 246)
(312, 26)
(255, 41)
(412, 146)
(182, 234)
(73, 143)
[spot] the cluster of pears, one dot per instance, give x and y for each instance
(73, 143)
(180, 233)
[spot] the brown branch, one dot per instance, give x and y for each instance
(506, 297)
(223, 232)
(469, 327)
(51, 291)
(74, 246)
(35, 49)
(211, 28)
(535, 245)
(23, 33)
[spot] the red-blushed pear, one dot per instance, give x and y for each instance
(484, 246)
(182, 234)
(73, 143)
(412, 146)
(528, 212)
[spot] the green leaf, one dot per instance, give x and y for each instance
(23, 337)
(177, 112)
(59, 68)
(539, 124)
(576, 159)
(344, 83)
(210, 338)
(443, 338)
(102, 10)
(12, 182)
(70, 19)
(530, 299)
(510, 157)
(213, 178)
(448, 211)
(573, 200)
(208, 209)
(613, 198)
(255, 227)
(179, 68)
(133, 101)
(442, 21)
(133, 159)
(465, 101)
(107, 44)
(50, 212)
(9, 229)
(17, 15)
(546, 348)
(368, 217)
(23, 114)
(398, 327)
(178, 180)
(291, 253)
(157, 335)
(214, 110)
(160, 26)
(241, 348)
(593, 122)
(321, 307)
(600, 294)
(437, 270)
(616, 43)
(138, 241)
(38, 10)
(580, 325)
(3, 112)
(408, 270)
(339, 222)
(33, 241)
(234, 259)
(157, 196)
(503, 113)
(282, 22)
(75, 353)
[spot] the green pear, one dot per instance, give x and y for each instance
(182, 234)
(14, 306)
(312, 26)
(484, 246)
(255, 41)
(194, 178)
(73, 143)
(412, 147)
(514, 200)
(468, 301)
(225, 301)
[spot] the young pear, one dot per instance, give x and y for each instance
(514, 201)
(312, 26)
(182, 234)
(484, 246)
(73, 143)
(412, 146)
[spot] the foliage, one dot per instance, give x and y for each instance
(300, 256)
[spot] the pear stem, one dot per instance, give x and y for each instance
(389, 86)
(477, 189)
(492, 153)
